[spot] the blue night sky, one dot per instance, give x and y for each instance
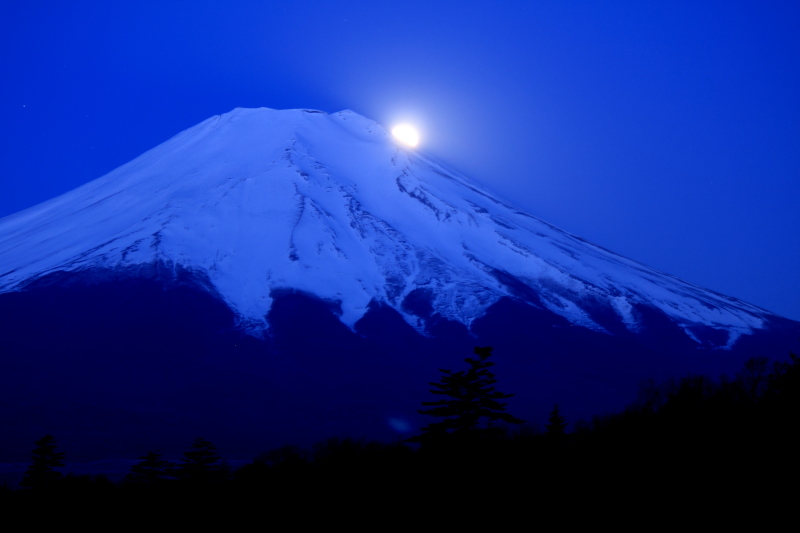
(668, 132)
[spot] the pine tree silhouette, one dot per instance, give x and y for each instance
(556, 423)
(473, 403)
(41, 473)
(151, 469)
(201, 463)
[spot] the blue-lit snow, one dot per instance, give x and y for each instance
(259, 199)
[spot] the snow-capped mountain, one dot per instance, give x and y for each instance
(257, 200)
(270, 277)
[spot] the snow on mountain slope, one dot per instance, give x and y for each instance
(260, 199)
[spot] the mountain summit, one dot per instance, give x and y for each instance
(270, 277)
(257, 200)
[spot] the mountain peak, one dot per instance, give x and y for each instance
(258, 200)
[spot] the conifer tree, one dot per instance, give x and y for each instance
(471, 406)
(41, 473)
(201, 463)
(556, 423)
(151, 469)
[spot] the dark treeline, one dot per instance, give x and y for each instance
(683, 444)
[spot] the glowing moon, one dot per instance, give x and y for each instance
(406, 134)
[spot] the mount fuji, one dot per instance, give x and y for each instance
(276, 276)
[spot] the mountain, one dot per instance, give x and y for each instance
(289, 275)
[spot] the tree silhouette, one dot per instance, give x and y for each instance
(151, 469)
(41, 473)
(556, 423)
(472, 404)
(201, 463)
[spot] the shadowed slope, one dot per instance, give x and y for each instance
(115, 368)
